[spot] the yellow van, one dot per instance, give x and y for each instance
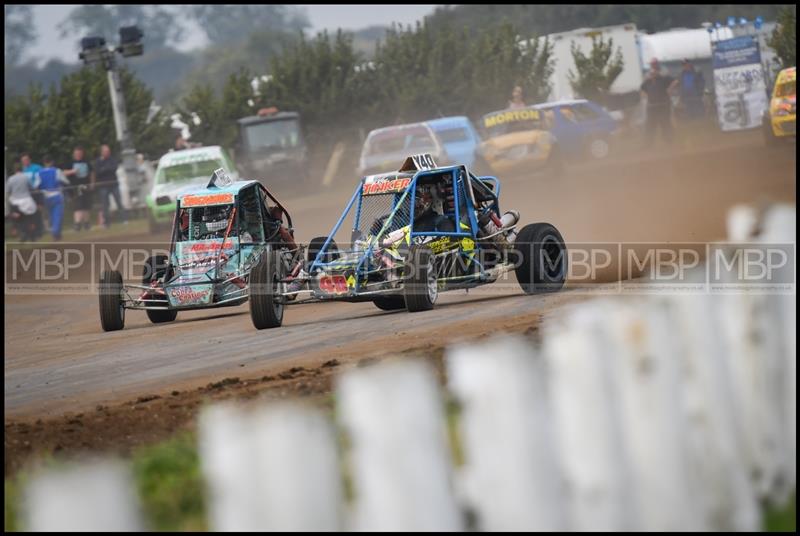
(780, 120)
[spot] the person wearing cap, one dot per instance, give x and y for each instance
(656, 91)
(692, 85)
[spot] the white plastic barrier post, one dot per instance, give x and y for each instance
(270, 469)
(89, 497)
(401, 467)
(587, 423)
(641, 342)
(716, 449)
(742, 223)
(751, 328)
(511, 478)
(779, 228)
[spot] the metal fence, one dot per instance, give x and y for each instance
(634, 413)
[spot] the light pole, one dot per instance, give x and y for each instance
(94, 50)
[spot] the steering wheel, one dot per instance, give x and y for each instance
(273, 228)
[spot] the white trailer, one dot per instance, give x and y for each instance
(626, 39)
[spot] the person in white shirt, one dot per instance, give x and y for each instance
(21, 204)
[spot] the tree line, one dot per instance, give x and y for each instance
(78, 112)
(417, 72)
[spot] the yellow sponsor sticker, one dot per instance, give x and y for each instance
(509, 116)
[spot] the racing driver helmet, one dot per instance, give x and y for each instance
(215, 220)
(423, 199)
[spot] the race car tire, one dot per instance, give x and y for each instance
(542, 258)
(598, 147)
(265, 311)
(390, 303)
(155, 268)
(421, 287)
(315, 246)
(112, 311)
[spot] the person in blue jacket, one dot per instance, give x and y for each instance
(49, 180)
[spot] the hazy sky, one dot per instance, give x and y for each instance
(350, 17)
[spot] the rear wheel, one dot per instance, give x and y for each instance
(421, 286)
(390, 303)
(266, 306)
(598, 147)
(156, 268)
(542, 258)
(315, 246)
(112, 310)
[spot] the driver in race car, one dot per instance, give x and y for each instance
(214, 222)
(426, 218)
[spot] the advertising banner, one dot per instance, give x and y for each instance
(739, 83)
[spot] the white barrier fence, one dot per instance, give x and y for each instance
(636, 413)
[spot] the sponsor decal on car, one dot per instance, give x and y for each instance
(189, 295)
(208, 199)
(385, 185)
(208, 246)
(334, 284)
(510, 116)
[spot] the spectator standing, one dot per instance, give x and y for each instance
(692, 88)
(516, 98)
(107, 184)
(656, 90)
(79, 176)
(31, 169)
(21, 204)
(49, 180)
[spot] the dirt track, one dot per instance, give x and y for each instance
(66, 365)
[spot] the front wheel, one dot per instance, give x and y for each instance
(112, 310)
(542, 258)
(266, 305)
(421, 287)
(154, 269)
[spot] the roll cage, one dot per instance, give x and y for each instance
(464, 194)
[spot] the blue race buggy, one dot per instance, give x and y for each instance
(415, 233)
(219, 233)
